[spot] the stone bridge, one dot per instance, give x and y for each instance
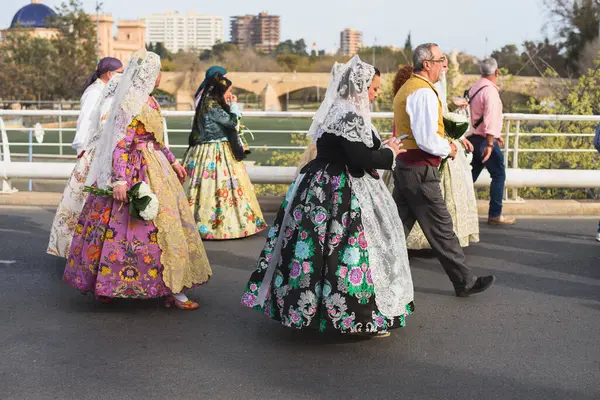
(273, 87)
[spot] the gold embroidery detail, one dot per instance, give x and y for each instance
(183, 256)
(153, 122)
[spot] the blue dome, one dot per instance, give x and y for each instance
(32, 16)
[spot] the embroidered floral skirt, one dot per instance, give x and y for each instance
(328, 264)
(220, 193)
(458, 191)
(115, 255)
(69, 208)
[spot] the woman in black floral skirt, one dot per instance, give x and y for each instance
(335, 258)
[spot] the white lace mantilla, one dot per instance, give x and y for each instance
(126, 101)
(345, 110)
(388, 256)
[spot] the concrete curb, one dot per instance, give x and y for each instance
(552, 208)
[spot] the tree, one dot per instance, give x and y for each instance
(577, 25)
(27, 68)
(288, 61)
(76, 45)
(160, 49)
(297, 48)
(408, 43)
(508, 57)
(581, 97)
(467, 63)
(408, 49)
(300, 48)
(49, 69)
(534, 60)
(218, 51)
(537, 57)
(387, 59)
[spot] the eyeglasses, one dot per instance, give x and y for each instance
(439, 60)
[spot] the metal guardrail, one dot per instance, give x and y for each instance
(516, 177)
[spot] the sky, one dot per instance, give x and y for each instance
(463, 25)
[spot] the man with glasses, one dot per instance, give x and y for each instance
(486, 125)
(417, 191)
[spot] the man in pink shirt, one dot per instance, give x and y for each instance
(486, 125)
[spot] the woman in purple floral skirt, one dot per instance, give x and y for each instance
(113, 254)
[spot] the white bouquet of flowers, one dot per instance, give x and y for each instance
(455, 125)
(143, 204)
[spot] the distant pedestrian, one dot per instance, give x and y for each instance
(487, 140)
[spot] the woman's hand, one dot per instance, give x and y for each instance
(467, 145)
(180, 171)
(230, 98)
(395, 145)
(120, 192)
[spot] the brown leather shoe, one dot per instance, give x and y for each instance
(502, 220)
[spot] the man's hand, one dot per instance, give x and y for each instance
(468, 145)
(487, 152)
(453, 151)
(500, 140)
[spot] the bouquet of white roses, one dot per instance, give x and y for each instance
(455, 125)
(143, 204)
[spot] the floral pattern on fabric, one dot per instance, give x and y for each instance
(323, 280)
(220, 193)
(69, 208)
(115, 255)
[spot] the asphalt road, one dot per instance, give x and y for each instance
(535, 335)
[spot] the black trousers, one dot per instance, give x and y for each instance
(419, 199)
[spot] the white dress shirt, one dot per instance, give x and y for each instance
(422, 109)
(88, 103)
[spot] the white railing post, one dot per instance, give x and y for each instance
(506, 152)
(166, 132)
(60, 132)
(515, 191)
(30, 158)
(5, 159)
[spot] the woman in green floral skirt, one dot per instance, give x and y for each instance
(335, 258)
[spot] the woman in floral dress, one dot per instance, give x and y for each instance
(114, 255)
(73, 198)
(335, 258)
(456, 181)
(220, 193)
